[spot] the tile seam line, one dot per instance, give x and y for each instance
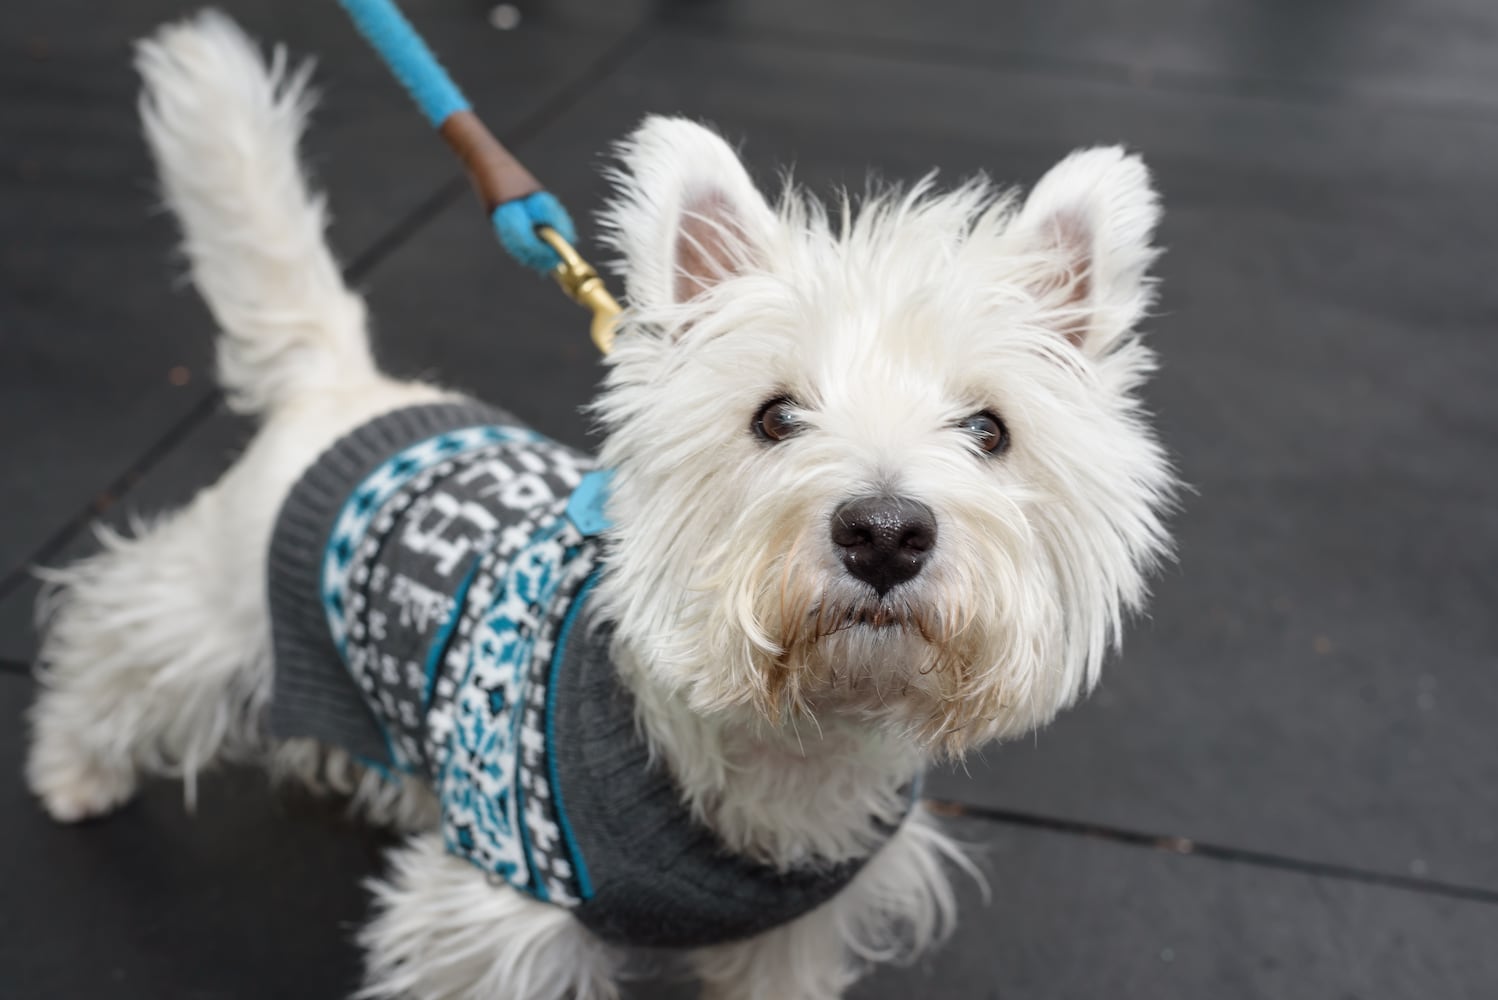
(1171, 81)
(1188, 847)
(114, 490)
(360, 265)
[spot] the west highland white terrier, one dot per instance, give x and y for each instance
(879, 491)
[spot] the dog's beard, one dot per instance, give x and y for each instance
(920, 659)
(903, 663)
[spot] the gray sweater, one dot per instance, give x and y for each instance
(431, 578)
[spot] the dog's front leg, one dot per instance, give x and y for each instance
(806, 959)
(441, 929)
(901, 904)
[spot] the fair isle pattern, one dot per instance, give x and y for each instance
(561, 873)
(484, 592)
(446, 582)
(490, 734)
(379, 487)
(392, 674)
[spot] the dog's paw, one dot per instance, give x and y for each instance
(80, 790)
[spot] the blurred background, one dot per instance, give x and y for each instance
(1287, 785)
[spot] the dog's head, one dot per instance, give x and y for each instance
(889, 464)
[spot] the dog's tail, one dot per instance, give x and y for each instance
(223, 125)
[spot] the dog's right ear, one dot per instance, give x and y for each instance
(1092, 220)
(685, 214)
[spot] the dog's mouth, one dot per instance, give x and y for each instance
(878, 617)
(881, 617)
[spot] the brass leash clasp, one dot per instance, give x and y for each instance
(583, 286)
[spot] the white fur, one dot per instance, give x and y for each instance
(442, 931)
(887, 325)
(224, 129)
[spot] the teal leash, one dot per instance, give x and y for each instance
(530, 222)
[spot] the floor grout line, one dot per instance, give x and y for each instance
(381, 247)
(408, 225)
(1173, 81)
(1185, 846)
(116, 488)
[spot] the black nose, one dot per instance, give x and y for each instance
(884, 540)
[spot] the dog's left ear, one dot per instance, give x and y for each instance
(1089, 223)
(685, 214)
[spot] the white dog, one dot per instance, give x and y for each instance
(882, 491)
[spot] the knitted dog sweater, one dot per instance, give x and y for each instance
(431, 578)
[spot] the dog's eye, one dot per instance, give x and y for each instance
(988, 432)
(776, 420)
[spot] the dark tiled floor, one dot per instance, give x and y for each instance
(1436, 54)
(1312, 695)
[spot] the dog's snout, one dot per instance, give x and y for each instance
(883, 540)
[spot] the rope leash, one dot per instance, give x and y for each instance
(530, 222)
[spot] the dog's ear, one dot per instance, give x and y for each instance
(1088, 226)
(685, 214)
